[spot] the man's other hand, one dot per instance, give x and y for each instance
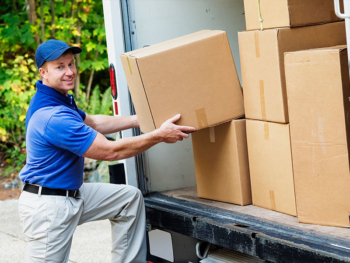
(171, 133)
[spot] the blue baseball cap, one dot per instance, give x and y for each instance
(52, 50)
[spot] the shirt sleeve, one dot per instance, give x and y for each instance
(82, 114)
(66, 130)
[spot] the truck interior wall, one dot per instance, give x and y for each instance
(153, 21)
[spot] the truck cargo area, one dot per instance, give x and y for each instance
(166, 174)
(248, 229)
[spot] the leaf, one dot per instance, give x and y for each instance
(83, 17)
(106, 103)
(22, 118)
(26, 34)
(86, 64)
(86, 33)
(75, 32)
(90, 46)
(2, 132)
(95, 100)
(99, 65)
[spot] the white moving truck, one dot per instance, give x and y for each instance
(177, 219)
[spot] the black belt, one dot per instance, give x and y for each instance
(49, 191)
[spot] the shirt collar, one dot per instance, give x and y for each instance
(54, 93)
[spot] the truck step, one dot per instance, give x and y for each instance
(229, 256)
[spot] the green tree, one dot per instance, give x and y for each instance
(24, 24)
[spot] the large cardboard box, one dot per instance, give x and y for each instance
(262, 63)
(270, 165)
(318, 96)
(194, 75)
(221, 163)
(288, 13)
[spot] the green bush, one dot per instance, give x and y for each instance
(78, 23)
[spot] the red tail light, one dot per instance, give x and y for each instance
(116, 108)
(113, 81)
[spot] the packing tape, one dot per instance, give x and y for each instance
(272, 200)
(212, 134)
(266, 131)
(262, 100)
(202, 118)
(257, 46)
(127, 58)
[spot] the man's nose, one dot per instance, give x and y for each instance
(69, 71)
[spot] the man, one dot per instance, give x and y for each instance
(54, 199)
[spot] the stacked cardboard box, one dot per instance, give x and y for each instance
(194, 75)
(221, 163)
(288, 13)
(262, 64)
(271, 166)
(264, 88)
(318, 98)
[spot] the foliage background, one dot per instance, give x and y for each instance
(24, 25)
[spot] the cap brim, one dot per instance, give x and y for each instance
(55, 55)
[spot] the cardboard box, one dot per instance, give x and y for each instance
(194, 75)
(221, 163)
(262, 63)
(318, 96)
(288, 13)
(270, 165)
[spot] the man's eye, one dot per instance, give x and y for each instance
(59, 67)
(71, 64)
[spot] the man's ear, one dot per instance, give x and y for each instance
(43, 73)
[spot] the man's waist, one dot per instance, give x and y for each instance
(42, 190)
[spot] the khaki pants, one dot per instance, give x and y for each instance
(50, 221)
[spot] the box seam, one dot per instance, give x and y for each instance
(291, 155)
(238, 164)
(143, 85)
(283, 90)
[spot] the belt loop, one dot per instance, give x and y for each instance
(40, 189)
(67, 192)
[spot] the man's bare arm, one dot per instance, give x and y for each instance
(109, 124)
(102, 149)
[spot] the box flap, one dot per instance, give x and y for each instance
(337, 49)
(173, 43)
(138, 93)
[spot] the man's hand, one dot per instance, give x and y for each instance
(171, 133)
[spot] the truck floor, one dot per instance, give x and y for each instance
(248, 229)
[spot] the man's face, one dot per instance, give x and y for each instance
(60, 74)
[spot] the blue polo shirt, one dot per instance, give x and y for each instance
(56, 139)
